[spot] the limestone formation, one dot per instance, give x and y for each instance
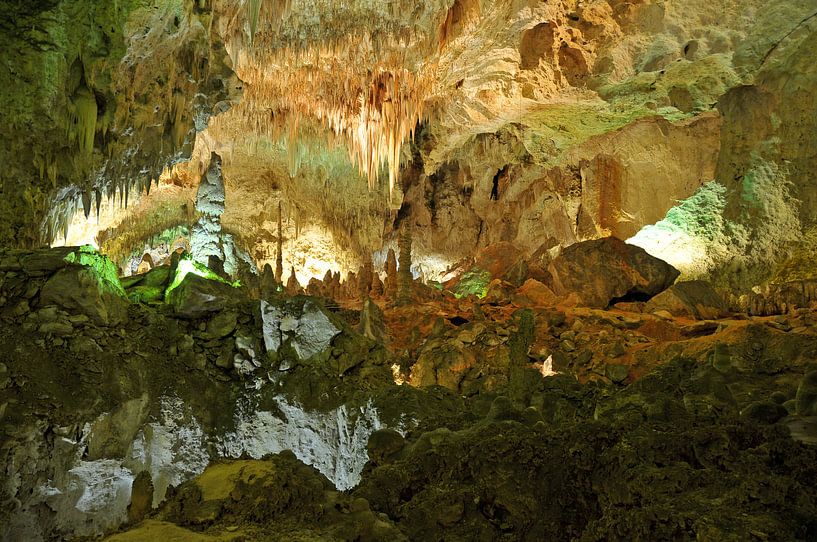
(695, 299)
(405, 280)
(279, 252)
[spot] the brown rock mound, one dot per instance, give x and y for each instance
(694, 298)
(602, 271)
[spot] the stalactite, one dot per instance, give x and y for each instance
(253, 15)
(85, 119)
(358, 81)
(86, 203)
(98, 201)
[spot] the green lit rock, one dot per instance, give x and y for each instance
(473, 282)
(105, 270)
(196, 296)
(146, 294)
(81, 290)
(158, 276)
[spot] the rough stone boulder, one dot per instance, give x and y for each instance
(303, 324)
(534, 294)
(694, 299)
(198, 296)
(80, 290)
(599, 272)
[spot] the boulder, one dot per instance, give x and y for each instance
(694, 299)
(45, 262)
(505, 261)
(81, 290)
(500, 261)
(221, 325)
(197, 296)
(534, 294)
(602, 271)
(301, 322)
(158, 277)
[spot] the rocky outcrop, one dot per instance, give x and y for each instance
(107, 422)
(695, 299)
(600, 272)
(277, 497)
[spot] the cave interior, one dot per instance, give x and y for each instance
(397, 270)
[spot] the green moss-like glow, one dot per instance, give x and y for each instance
(105, 269)
(701, 213)
(187, 266)
(146, 294)
(473, 282)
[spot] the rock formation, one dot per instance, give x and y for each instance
(602, 324)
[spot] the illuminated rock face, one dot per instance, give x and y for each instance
(306, 328)
(478, 122)
(206, 234)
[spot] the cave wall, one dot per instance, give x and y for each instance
(100, 96)
(755, 223)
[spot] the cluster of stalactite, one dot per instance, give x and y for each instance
(363, 70)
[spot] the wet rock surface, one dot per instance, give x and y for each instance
(274, 419)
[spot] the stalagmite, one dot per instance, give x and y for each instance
(377, 286)
(349, 288)
(335, 288)
(279, 257)
(404, 278)
(269, 284)
(391, 276)
(364, 279)
(293, 287)
(371, 321)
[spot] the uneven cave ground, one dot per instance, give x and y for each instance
(222, 412)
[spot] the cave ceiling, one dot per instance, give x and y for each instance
(473, 121)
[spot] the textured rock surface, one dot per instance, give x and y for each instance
(694, 298)
(625, 401)
(101, 97)
(504, 142)
(577, 120)
(596, 273)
